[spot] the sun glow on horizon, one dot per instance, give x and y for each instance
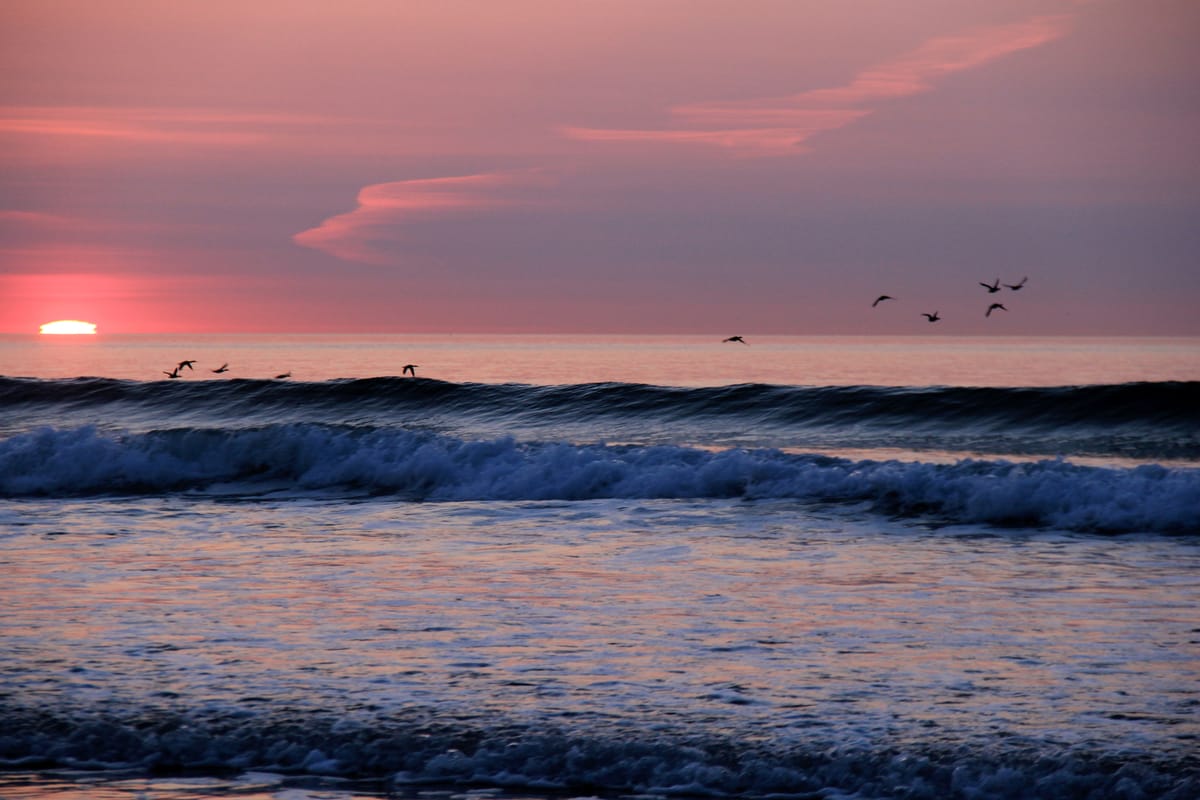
(68, 326)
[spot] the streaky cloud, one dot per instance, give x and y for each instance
(36, 234)
(360, 234)
(783, 125)
(43, 129)
(916, 71)
(788, 134)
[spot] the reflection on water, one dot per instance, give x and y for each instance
(748, 617)
(658, 360)
(255, 599)
(74, 785)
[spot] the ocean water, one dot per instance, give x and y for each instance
(599, 567)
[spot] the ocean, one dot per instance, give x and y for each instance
(599, 566)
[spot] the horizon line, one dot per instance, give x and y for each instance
(717, 333)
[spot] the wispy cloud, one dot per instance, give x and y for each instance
(32, 219)
(787, 138)
(783, 125)
(203, 126)
(53, 134)
(383, 209)
(22, 230)
(14, 222)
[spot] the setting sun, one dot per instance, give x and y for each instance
(68, 326)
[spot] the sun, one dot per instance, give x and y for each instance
(69, 326)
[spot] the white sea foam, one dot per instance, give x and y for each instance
(427, 467)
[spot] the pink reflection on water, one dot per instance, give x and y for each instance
(658, 360)
(737, 614)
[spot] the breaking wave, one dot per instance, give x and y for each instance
(336, 460)
(1165, 403)
(1146, 421)
(409, 751)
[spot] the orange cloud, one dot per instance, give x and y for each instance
(358, 235)
(139, 124)
(57, 133)
(782, 125)
(32, 219)
(14, 221)
(789, 137)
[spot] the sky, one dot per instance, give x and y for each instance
(625, 166)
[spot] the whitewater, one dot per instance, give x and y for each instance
(380, 586)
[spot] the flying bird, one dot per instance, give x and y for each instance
(187, 364)
(881, 298)
(1015, 286)
(410, 369)
(931, 317)
(222, 368)
(736, 339)
(991, 287)
(172, 374)
(993, 307)
(284, 375)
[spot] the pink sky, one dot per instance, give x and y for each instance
(766, 166)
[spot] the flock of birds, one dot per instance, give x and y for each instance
(409, 369)
(190, 364)
(992, 288)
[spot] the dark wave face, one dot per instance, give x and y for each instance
(1148, 421)
(320, 460)
(426, 440)
(408, 751)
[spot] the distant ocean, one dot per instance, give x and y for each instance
(812, 567)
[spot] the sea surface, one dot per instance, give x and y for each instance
(557, 567)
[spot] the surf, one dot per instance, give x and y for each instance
(423, 466)
(1135, 420)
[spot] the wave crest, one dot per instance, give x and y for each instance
(413, 751)
(1148, 421)
(422, 466)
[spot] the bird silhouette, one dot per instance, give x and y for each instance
(222, 368)
(881, 298)
(410, 369)
(282, 376)
(931, 317)
(736, 339)
(172, 374)
(1018, 285)
(187, 364)
(991, 287)
(993, 307)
